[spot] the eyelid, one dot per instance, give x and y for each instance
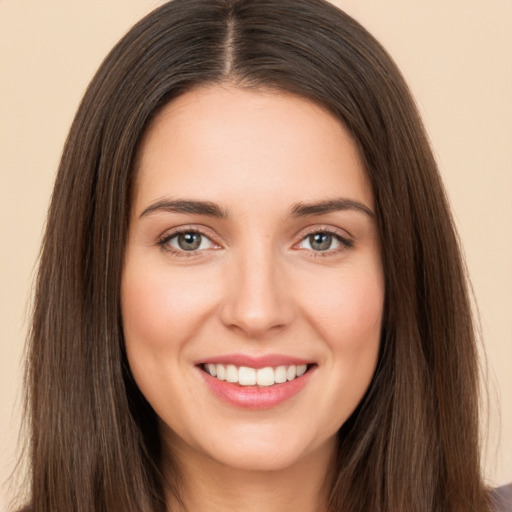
(164, 238)
(346, 239)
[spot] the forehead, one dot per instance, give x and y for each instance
(221, 143)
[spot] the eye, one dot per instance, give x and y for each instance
(324, 241)
(186, 241)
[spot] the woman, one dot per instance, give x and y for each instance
(251, 294)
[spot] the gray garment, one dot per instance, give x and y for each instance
(502, 498)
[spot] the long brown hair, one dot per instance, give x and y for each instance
(412, 443)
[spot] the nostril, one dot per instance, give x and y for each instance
(258, 300)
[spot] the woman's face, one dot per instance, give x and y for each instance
(252, 256)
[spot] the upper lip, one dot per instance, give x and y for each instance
(255, 361)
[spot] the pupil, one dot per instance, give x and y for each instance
(320, 241)
(189, 241)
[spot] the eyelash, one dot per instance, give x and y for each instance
(166, 238)
(345, 243)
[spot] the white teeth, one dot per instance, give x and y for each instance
(221, 372)
(265, 376)
(280, 374)
(245, 376)
(231, 373)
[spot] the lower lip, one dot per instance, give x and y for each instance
(255, 397)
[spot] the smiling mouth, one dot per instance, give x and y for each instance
(262, 377)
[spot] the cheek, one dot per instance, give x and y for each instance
(345, 309)
(348, 314)
(161, 310)
(158, 308)
(348, 309)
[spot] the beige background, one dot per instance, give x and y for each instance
(457, 58)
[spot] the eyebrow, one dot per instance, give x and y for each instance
(184, 206)
(329, 206)
(298, 210)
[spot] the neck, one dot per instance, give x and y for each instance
(207, 485)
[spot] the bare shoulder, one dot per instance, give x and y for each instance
(502, 498)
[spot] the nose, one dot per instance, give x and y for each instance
(257, 300)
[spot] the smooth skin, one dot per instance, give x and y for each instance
(252, 232)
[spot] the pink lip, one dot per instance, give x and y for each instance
(255, 397)
(254, 362)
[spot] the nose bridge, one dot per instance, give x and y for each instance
(256, 301)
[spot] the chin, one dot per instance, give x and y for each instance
(259, 457)
(261, 448)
